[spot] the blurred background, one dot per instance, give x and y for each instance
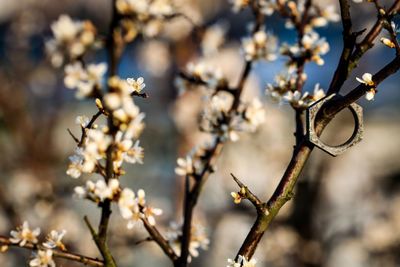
(346, 211)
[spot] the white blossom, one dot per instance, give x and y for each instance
(43, 258)
(137, 85)
(260, 46)
(366, 79)
(105, 190)
(185, 166)
(54, 240)
(25, 235)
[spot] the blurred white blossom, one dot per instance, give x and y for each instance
(25, 235)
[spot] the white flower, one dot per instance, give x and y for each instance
(75, 168)
(370, 95)
(43, 258)
(185, 166)
(24, 235)
(74, 74)
(255, 113)
(65, 29)
(318, 93)
(366, 79)
(95, 72)
(80, 192)
(112, 100)
(106, 191)
(137, 85)
(54, 240)
(83, 121)
(134, 154)
(150, 212)
(260, 46)
(127, 203)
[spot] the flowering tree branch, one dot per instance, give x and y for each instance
(353, 51)
(5, 241)
(284, 191)
(192, 192)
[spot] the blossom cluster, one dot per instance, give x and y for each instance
(87, 80)
(143, 16)
(118, 140)
(198, 239)
(201, 73)
(98, 191)
(126, 117)
(260, 46)
(312, 47)
(194, 161)
(285, 91)
(72, 39)
(133, 208)
(43, 256)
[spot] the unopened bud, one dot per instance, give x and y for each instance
(388, 42)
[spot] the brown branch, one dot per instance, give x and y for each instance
(159, 239)
(142, 95)
(349, 41)
(73, 136)
(56, 253)
(301, 61)
(101, 245)
(89, 126)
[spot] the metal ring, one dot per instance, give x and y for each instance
(355, 138)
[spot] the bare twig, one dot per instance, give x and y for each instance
(101, 245)
(349, 41)
(73, 136)
(159, 239)
(56, 253)
(89, 126)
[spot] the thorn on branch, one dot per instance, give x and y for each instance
(73, 136)
(144, 240)
(245, 193)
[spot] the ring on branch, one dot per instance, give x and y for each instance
(312, 137)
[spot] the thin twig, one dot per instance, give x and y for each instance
(102, 246)
(88, 126)
(349, 41)
(260, 206)
(56, 253)
(159, 239)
